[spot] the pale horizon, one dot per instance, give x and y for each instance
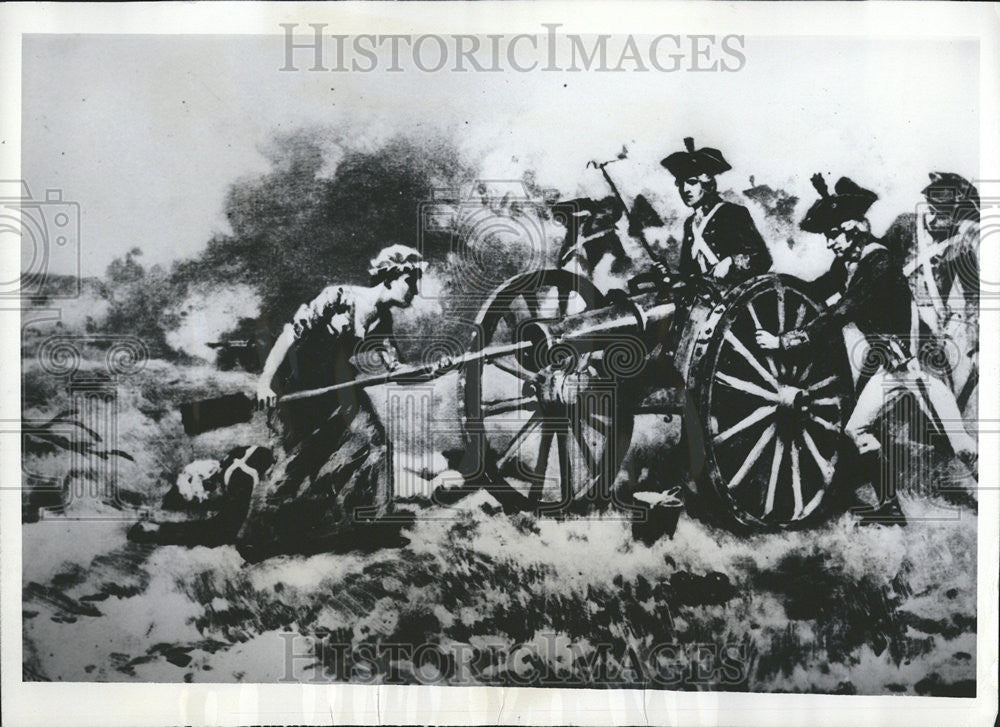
(151, 170)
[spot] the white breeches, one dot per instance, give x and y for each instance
(934, 398)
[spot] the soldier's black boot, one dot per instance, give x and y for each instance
(887, 511)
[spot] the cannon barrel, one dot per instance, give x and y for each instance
(637, 318)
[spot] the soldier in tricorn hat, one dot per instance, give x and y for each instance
(954, 202)
(874, 295)
(938, 247)
(720, 238)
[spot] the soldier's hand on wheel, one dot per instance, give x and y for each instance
(661, 270)
(767, 340)
(722, 268)
(265, 397)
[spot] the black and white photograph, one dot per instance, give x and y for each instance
(639, 358)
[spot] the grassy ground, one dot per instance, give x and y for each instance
(476, 596)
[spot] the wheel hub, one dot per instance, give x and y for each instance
(558, 388)
(550, 386)
(793, 407)
(791, 398)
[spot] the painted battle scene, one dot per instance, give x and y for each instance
(463, 394)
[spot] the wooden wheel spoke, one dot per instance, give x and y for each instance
(503, 406)
(757, 324)
(813, 503)
(800, 315)
(825, 466)
(753, 456)
(514, 446)
(772, 483)
(748, 421)
(769, 360)
(804, 376)
(747, 387)
(541, 464)
(513, 367)
(829, 426)
(822, 383)
(779, 290)
(742, 350)
(796, 481)
(826, 401)
(588, 454)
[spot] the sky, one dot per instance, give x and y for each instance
(146, 133)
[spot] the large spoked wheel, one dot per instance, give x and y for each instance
(771, 420)
(546, 430)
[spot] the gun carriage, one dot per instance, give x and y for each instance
(558, 372)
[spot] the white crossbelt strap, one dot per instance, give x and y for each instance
(700, 251)
(240, 464)
(923, 265)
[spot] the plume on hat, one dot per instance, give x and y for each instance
(820, 184)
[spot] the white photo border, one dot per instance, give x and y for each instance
(133, 704)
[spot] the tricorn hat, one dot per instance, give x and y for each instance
(849, 201)
(691, 162)
(949, 189)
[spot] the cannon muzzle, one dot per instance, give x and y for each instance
(632, 321)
